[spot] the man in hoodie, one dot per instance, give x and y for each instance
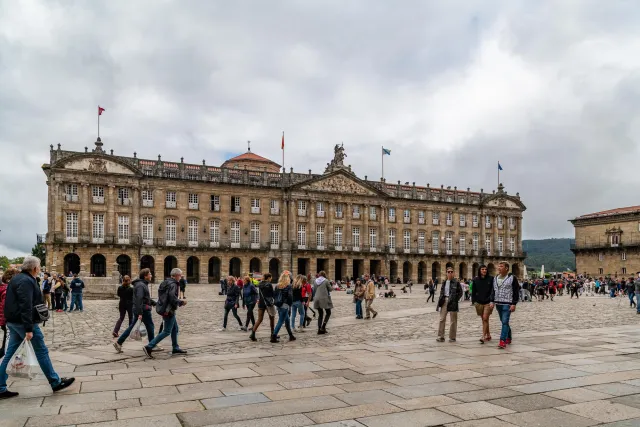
(142, 304)
(481, 299)
(77, 285)
(504, 296)
(167, 306)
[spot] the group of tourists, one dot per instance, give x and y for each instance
(58, 286)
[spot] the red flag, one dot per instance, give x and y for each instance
(100, 110)
(283, 140)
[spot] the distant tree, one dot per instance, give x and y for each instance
(4, 262)
(39, 251)
(17, 260)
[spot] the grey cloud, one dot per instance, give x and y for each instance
(548, 88)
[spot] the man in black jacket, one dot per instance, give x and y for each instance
(23, 295)
(142, 304)
(168, 303)
(450, 294)
(77, 285)
(505, 294)
(481, 299)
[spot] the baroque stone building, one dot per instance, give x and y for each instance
(608, 242)
(110, 214)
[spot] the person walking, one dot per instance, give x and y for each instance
(322, 301)
(307, 296)
(77, 285)
(432, 291)
(298, 304)
(283, 299)
(183, 288)
(369, 296)
(46, 290)
(358, 296)
(249, 300)
(167, 306)
(481, 299)
(631, 292)
(125, 305)
(231, 304)
(142, 304)
(265, 303)
(57, 294)
(450, 294)
(22, 296)
(504, 297)
(4, 284)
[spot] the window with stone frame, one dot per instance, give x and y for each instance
(72, 225)
(435, 241)
(373, 237)
(170, 231)
(406, 240)
(235, 232)
(97, 234)
(214, 231)
(147, 229)
(274, 234)
(475, 241)
(320, 235)
(421, 237)
(255, 233)
(302, 235)
(356, 236)
(392, 239)
(337, 236)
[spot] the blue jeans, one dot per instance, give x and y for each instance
(358, 308)
(505, 314)
(297, 308)
(170, 328)
(283, 319)
(148, 323)
(65, 307)
(16, 336)
(76, 301)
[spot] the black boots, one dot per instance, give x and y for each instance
(322, 330)
(252, 337)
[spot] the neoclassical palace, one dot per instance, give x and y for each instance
(111, 215)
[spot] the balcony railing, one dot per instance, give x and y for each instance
(463, 224)
(71, 197)
(356, 215)
(170, 204)
(214, 244)
(392, 219)
(236, 209)
(125, 202)
(338, 214)
(255, 209)
(147, 203)
(302, 212)
(193, 206)
(421, 221)
(373, 217)
(407, 220)
(436, 221)
(275, 211)
(391, 250)
(320, 214)
(215, 208)
(407, 250)
(98, 200)
(449, 222)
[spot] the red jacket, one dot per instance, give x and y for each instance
(3, 297)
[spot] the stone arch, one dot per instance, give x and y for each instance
(491, 269)
(422, 272)
(274, 269)
(170, 263)
(71, 263)
(214, 270)
(475, 269)
(235, 267)
(149, 262)
(193, 269)
(98, 266)
(435, 271)
(124, 265)
(255, 265)
(462, 270)
(407, 271)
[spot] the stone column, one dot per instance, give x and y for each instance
(136, 213)
(346, 231)
(110, 230)
(519, 234)
(313, 266)
(57, 216)
(349, 267)
(84, 216)
(414, 271)
(364, 233)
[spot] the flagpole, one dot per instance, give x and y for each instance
(498, 173)
(382, 153)
(283, 168)
(98, 121)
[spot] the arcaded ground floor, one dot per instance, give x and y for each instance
(209, 266)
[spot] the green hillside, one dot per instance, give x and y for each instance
(554, 254)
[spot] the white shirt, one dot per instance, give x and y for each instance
(446, 288)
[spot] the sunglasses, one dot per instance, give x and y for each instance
(450, 272)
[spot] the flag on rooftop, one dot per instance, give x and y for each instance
(385, 151)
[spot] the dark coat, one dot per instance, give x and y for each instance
(141, 297)
(481, 289)
(125, 293)
(455, 294)
(23, 294)
(168, 301)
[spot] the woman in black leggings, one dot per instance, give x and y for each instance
(322, 301)
(231, 304)
(249, 300)
(125, 305)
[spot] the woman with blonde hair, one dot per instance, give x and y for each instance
(297, 307)
(283, 299)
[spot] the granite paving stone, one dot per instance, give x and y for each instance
(71, 419)
(362, 397)
(237, 400)
(578, 395)
(484, 394)
(162, 409)
(302, 393)
(296, 420)
(615, 389)
(424, 402)
(419, 418)
(602, 410)
(485, 422)
(352, 412)
(475, 410)
(157, 421)
(529, 402)
(630, 400)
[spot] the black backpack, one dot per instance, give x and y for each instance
(278, 297)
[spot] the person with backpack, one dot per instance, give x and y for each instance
(283, 299)
(77, 285)
(24, 309)
(249, 300)
(125, 305)
(231, 304)
(322, 301)
(6, 278)
(183, 287)
(142, 304)
(265, 303)
(167, 306)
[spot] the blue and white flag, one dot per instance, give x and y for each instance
(385, 151)
(499, 167)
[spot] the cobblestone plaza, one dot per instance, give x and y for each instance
(572, 363)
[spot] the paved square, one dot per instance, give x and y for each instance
(386, 372)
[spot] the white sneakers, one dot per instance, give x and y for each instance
(222, 330)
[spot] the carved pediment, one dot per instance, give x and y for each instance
(98, 165)
(503, 202)
(339, 184)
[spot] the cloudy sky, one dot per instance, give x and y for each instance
(551, 89)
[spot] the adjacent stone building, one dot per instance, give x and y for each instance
(109, 214)
(608, 242)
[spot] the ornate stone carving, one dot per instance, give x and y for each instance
(339, 184)
(97, 165)
(338, 159)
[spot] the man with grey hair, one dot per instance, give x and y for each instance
(23, 295)
(168, 303)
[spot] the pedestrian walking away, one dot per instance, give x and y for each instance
(142, 304)
(297, 308)
(125, 305)
(167, 306)
(450, 294)
(369, 296)
(231, 304)
(283, 299)
(481, 299)
(322, 301)
(22, 296)
(77, 286)
(505, 297)
(432, 291)
(265, 303)
(249, 300)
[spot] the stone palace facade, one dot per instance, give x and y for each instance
(608, 242)
(109, 214)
